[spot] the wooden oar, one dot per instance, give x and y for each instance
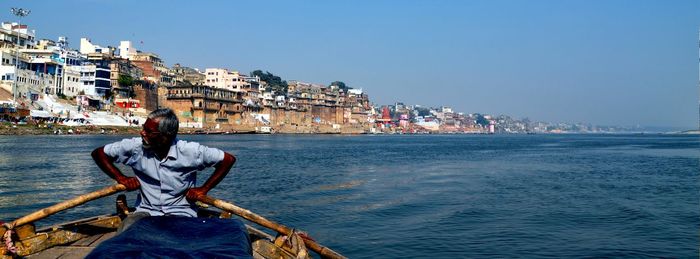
(43, 213)
(246, 214)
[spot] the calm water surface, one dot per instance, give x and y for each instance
(421, 196)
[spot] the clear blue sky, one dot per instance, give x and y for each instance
(603, 62)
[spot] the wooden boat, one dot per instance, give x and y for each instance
(78, 238)
(264, 130)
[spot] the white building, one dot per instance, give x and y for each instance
(222, 78)
(15, 37)
(86, 47)
(29, 84)
(356, 92)
(45, 63)
(70, 79)
(280, 100)
(93, 79)
(126, 50)
(9, 33)
(53, 58)
(71, 85)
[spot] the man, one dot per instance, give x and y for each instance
(165, 167)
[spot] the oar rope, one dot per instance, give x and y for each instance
(246, 214)
(43, 213)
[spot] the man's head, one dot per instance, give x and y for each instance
(160, 129)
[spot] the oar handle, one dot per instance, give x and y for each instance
(246, 214)
(43, 213)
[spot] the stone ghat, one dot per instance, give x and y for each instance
(11, 129)
(31, 129)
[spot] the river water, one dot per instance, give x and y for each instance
(398, 196)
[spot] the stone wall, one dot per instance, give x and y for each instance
(318, 119)
(147, 95)
(183, 110)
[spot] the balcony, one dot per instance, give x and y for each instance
(210, 107)
(234, 109)
(236, 99)
(184, 96)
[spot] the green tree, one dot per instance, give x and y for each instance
(340, 85)
(128, 82)
(481, 120)
(422, 111)
(274, 82)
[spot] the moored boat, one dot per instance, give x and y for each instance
(264, 130)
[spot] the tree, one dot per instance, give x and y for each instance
(340, 85)
(422, 111)
(128, 82)
(275, 82)
(481, 120)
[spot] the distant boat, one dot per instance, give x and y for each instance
(264, 130)
(209, 132)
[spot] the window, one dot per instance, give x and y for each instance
(102, 83)
(102, 74)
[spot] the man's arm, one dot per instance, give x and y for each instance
(105, 163)
(221, 170)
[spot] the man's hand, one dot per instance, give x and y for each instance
(106, 165)
(193, 194)
(131, 183)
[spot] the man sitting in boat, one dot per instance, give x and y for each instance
(165, 168)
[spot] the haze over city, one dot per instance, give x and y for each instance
(621, 63)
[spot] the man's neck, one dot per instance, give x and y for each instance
(162, 152)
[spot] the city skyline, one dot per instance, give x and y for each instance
(604, 63)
